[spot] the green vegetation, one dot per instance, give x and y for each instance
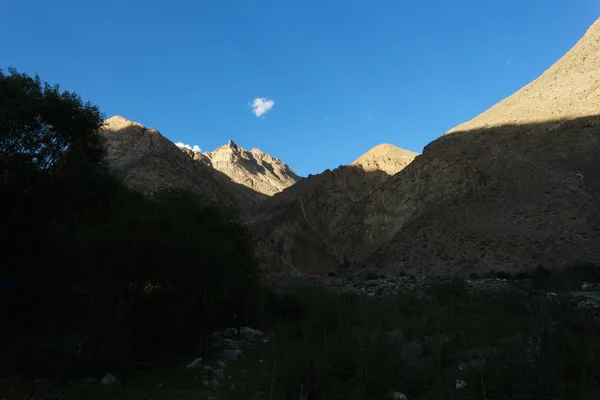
(345, 346)
(94, 270)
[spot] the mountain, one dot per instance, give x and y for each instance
(253, 169)
(296, 229)
(385, 157)
(148, 161)
(514, 188)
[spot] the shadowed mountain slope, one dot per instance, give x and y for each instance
(514, 188)
(295, 229)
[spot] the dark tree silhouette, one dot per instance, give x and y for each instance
(91, 269)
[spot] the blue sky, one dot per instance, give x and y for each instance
(344, 75)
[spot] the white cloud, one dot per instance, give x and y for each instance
(508, 62)
(195, 147)
(261, 106)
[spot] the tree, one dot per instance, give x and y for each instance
(106, 270)
(39, 122)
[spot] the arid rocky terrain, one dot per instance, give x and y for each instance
(514, 188)
(148, 161)
(296, 231)
(253, 169)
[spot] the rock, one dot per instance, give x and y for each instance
(231, 355)
(586, 299)
(229, 333)
(228, 344)
(149, 162)
(194, 364)
(213, 384)
(251, 334)
(397, 396)
(108, 379)
(396, 335)
(254, 169)
(460, 384)
(587, 286)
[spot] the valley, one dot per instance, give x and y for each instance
(137, 268)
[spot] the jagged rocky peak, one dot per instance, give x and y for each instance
(385, 157)
(147, 161)
(254, 169)
(129, 140)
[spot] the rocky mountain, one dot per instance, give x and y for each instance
(385, 157)
(514, 188)
(148, 161)
(296, 228)
(253, 169)
(230, 175)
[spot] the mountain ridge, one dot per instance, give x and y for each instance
(516, 187)
(147, 161)
(255, 169)
(510, 189)
(295, 229)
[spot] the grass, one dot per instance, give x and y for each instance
(242, 379)
(329, 345)
(350, 347)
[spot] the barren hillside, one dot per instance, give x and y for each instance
(148, 161)
(295, 229)
(514, 188)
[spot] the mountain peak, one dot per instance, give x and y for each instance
(257, 170)
(117, 122)
(386, 157)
